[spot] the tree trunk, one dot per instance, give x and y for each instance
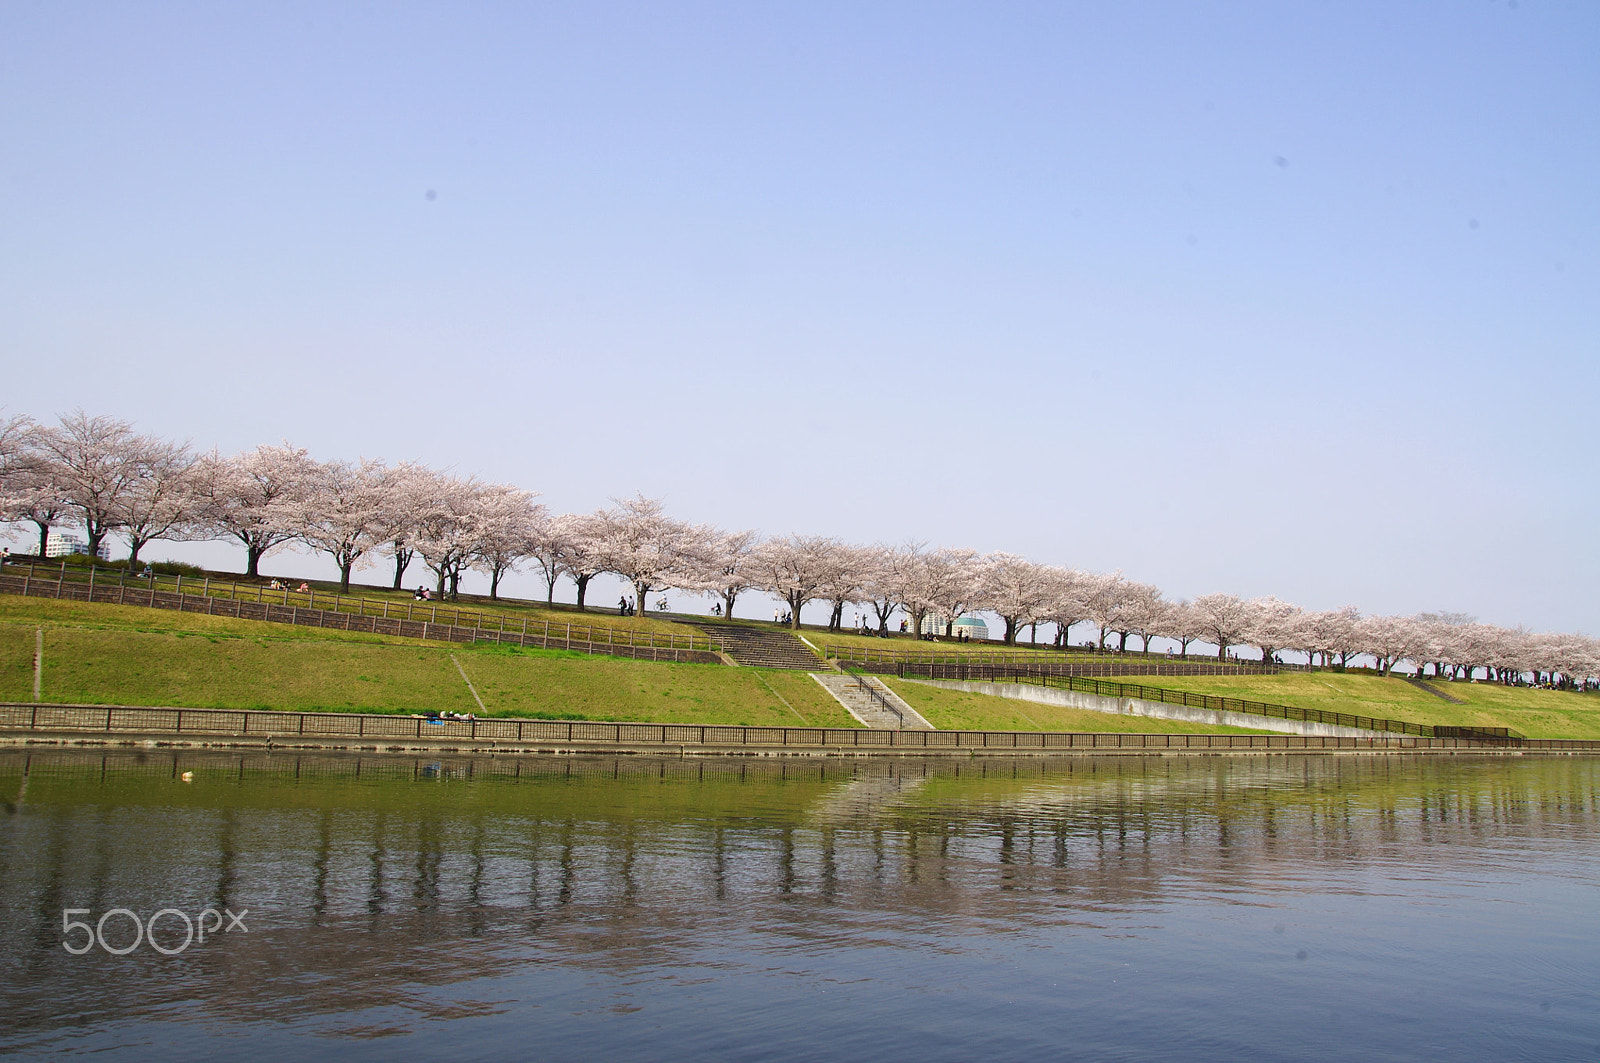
(494, 583)
(402, 558)
(727, 603)
(836, 619)
(44, 536)
(583, 588)
(135, 544)
(252, 559)
(1011, 631)
(344, 576)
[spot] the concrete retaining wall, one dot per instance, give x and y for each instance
(1074, 699)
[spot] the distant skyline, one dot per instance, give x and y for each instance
(1266, 299)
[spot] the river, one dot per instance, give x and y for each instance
(611, 908)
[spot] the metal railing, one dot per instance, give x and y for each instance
(989, 665)
(289, 729)
(877, 696)
(350, 613)
(1138, 662)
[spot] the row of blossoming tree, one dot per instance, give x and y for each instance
(100, 475)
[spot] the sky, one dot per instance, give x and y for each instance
(1267, 298)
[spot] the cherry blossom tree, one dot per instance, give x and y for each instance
(846, 583)
(16, 457)
(411, 489)
(1140, 613)
(1014, 589)
(344, 513)
(950, 583)
(28, 491)
(444, 526)
(1331, 632)
(161, 502)
(253, 497)
(508, 521)
(547, 546)
(729, 568)
(652, 551)
(585, 552)
(1107, 605)
(795, 568)
(96, 463)
(1225, 618)
(1387, 639)
(1180, 623)
(1271, 625)
(903, 579)
(1070, 594)
(880, 589)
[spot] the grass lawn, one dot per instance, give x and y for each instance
(956, 710)
(111, 654)
(1534, 713)
(323, 595)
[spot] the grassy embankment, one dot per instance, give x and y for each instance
(1534, 713)
(109, 654)
(129, 655)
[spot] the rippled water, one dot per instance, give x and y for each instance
(634, 908)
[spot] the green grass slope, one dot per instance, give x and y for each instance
(109, 654)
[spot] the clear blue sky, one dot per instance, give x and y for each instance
(1288, 298)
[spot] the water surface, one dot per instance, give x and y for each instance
(748, 909)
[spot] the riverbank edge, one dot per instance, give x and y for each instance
(1093, 745)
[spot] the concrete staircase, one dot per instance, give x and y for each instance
(1422, 684)
(763, 647)
(866, 708)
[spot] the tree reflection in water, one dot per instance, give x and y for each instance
(384, 891)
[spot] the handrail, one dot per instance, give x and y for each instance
(877, 695)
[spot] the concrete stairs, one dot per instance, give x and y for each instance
(866, 708)
(763, 647)
(1422, 684)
